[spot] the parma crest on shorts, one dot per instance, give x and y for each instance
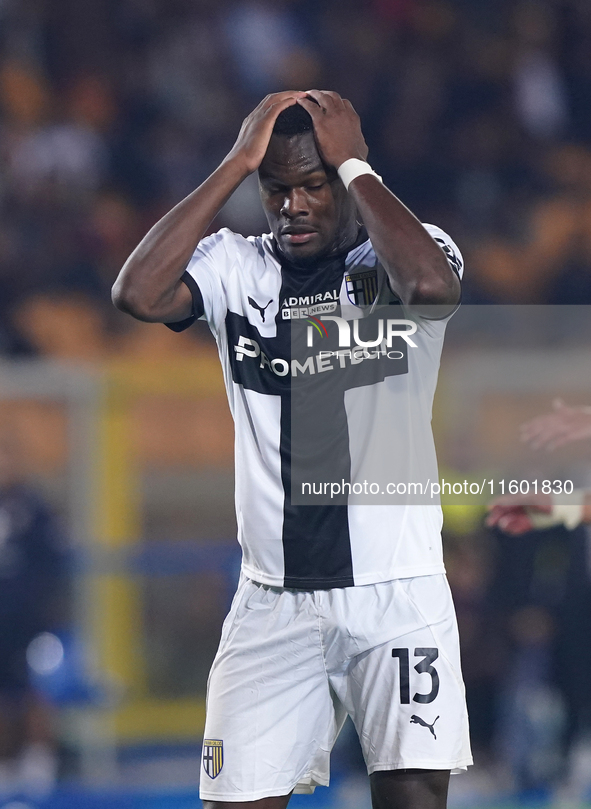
(213, 756)
(362, 287)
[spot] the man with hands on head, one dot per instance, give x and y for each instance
(341, 609)
(150, 285)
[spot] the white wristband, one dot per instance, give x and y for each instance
(352, 168)
(567, 510)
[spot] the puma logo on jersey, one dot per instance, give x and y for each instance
(416, 720)
(261, 309)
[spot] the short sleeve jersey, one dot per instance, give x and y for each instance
(251, 299)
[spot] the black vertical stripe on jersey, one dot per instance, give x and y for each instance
(316, 539)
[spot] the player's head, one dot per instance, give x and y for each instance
(308, 209)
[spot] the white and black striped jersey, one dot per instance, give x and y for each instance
(255, 302)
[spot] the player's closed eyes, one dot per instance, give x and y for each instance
(273, 190)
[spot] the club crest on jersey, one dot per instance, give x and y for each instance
(213, 757)
(362, 287)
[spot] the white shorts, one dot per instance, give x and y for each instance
(292, 664)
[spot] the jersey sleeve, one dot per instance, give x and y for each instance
(209, 265)
(434, 327)
(449, 247)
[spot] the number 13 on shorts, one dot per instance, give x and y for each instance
(428, 656)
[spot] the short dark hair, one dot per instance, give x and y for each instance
(294, 120)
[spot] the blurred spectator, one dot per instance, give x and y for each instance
(532, 715)
(484, 649)
(476, 114)
(33, 582)
(269, 44)
(540, 90)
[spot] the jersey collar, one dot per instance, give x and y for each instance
(322, 263)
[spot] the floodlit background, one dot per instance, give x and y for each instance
(117, 539)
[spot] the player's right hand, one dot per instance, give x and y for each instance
(255, 132)
(512, 513)
(564, 425)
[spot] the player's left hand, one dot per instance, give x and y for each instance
(512, 513)
(337, 127)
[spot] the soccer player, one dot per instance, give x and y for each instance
(343, 608)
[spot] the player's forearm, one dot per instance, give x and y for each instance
(148, 286)
(418, 270)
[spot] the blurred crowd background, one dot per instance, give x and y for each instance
(478, 115)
